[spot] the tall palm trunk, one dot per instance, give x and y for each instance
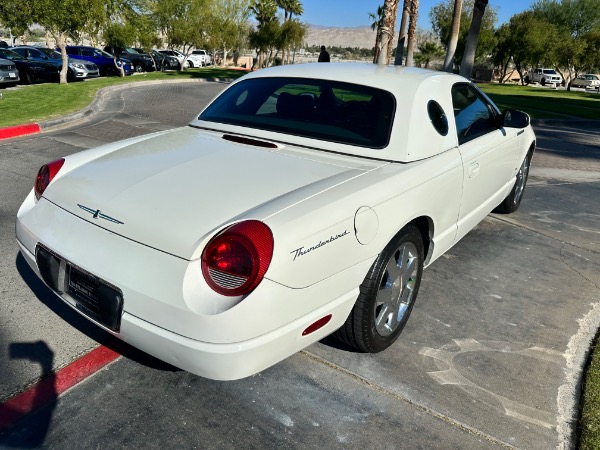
(386, 32)
(402, 34)
(449, 60)
(412, 31)
(466, 66)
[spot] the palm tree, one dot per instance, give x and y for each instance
(449, 60)
(377, 19)
(402, 34)
(466, 66)
(386, 30)
(413, 12)
(428, 51)
(290, 8)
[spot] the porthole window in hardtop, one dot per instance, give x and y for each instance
(322, 109)
(438, 117)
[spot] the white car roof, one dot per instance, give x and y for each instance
(413, 136)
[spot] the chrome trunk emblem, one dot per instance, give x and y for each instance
(96, 213)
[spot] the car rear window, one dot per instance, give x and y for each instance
(321, 109)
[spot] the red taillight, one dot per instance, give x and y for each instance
(45, 175)
(235, 261)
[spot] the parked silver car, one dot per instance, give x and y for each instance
(9, 75)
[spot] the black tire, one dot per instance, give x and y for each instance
(512, 201)
(190, 64)
(527, 79)
(27, 78)
(543, 82)
(373, 325)
(138, 68)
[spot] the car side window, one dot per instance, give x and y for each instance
(472, 114)
(87, 52)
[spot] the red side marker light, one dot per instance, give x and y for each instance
(317, 325)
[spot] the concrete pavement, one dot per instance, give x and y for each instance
(491, 356)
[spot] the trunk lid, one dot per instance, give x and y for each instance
(170, 191)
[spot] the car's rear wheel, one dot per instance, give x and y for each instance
(511, 203)
(387, 294)
(27, 78)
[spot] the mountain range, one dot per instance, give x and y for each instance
(361, 37)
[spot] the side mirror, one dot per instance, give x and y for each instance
(512, 118)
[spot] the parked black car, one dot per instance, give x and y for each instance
(31, 71)
(79, 69)
(142, 62)
(103, 60)
(162, 61)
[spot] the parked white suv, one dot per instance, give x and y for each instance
(206, 59)
(544, 77)
(192, 60)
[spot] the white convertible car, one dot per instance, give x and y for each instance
(305, 200)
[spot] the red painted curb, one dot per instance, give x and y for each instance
(49, 388)
(19, 130)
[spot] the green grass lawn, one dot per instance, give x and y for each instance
(545, 103)
(589, 425)
(40, 102)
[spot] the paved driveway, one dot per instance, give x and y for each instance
(491, 357)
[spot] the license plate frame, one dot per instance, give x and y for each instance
(91, 295)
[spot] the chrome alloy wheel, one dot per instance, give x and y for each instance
(395, 294)
(521, 180)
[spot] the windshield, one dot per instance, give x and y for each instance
(321, 109)
(50, 53)
(103, 53)
(550, 71)
(9, 54)
(131, 51)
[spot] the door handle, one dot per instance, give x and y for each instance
(473, 169)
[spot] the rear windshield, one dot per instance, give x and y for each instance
(321, 109)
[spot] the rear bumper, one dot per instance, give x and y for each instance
(169, 314)
(223, 361)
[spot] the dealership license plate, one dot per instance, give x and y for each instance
(83, 288)
(95, 298)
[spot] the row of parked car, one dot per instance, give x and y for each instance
(27, 64)
(552, 77)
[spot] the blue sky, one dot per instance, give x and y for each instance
(355, 13)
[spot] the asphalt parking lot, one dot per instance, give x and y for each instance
(491, 357)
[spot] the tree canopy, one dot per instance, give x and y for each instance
(441, 21)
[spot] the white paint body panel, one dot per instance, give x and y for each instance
(331, 208)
